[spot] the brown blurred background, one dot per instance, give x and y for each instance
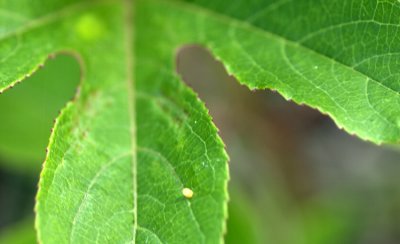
(302, 179)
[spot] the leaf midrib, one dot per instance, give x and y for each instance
(240, 23)
(129, 38)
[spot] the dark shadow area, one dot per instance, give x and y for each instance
(295, 175)
(17, 194)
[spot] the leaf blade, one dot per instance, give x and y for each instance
(86, 144)
(261, 56)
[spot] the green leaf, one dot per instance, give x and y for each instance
(123, 150)
(135, 136)
(340, 57)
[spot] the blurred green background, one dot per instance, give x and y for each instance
(295, 177)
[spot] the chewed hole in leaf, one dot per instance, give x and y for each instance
(28, 109)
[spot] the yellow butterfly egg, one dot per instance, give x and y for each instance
(187, 192)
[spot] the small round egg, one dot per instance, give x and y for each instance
(187, 192)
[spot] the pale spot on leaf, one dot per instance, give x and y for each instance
(89, 27)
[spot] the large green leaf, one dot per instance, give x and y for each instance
(135, 136)
(341, 57)
(123, 150)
